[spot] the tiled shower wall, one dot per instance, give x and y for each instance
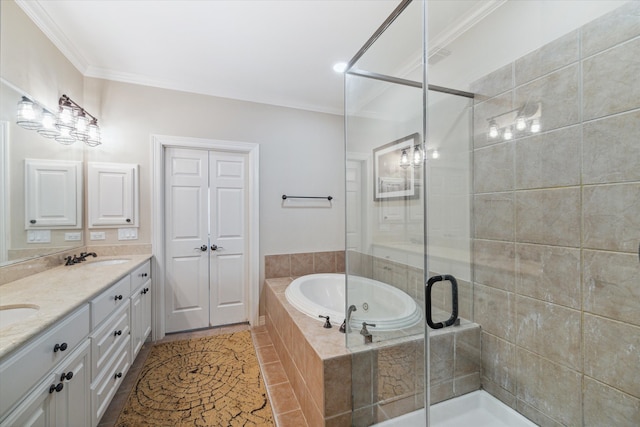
(557, 229)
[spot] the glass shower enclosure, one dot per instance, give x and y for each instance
(493, 185)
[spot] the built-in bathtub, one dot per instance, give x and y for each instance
(389, 308)
(366, 383)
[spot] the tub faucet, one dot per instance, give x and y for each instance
(368, 338)
(84, 255)
(351, 309)
(327, 323)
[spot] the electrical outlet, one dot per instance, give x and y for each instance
(75, 236)
(127, 233)
(39, 236)
(97, 235)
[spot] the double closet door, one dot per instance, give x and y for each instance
(205, 238)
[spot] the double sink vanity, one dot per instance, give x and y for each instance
(68, 337)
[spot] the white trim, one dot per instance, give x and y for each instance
(158, 144)
(4, 194)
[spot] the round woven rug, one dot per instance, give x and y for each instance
(212, 381)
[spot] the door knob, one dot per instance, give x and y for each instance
(216, 247)
(203, 248)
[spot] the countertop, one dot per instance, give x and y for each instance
(58, 292)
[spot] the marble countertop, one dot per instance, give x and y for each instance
(57, 292)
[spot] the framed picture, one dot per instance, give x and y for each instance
(390, 179)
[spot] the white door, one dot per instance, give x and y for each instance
(186, 239)
(206, 222)
(229, 290)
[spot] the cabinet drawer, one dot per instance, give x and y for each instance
(108, 339)
(103, 390)
(140, 275)
(114, 297)
(27, 366)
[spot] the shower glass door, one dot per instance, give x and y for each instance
(386, 196)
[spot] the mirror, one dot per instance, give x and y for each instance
(17, 145)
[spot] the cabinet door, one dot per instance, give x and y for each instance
(35, 410)
(113, 194)
(140, 317)
(72, 404)
(53, 194)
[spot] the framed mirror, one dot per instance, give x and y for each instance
(17, 241)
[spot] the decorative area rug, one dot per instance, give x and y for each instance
(212, 381)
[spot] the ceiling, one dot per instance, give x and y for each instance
(278, 52)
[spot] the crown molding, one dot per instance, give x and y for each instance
(34, 10)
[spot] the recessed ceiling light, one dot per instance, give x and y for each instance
(340, 67)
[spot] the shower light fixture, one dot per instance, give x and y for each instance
(516, 123)
(340, 67)
(72, 123)
(416, 160)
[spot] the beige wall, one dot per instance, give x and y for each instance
(557, 229)
(301, 152)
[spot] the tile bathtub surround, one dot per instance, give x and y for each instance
(557, 229)
(378, 382)
(301, 264)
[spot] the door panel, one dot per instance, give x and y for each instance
(228, 230)
(187, 230)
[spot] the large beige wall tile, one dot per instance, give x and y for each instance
(493, 216)
(549, 160)
(548, 216)
(494, 83)
(396, 370)
(611, 150)
(611, 219)
(548, 58)
(301, 264)
(537, 416)
(611, 353)
(499, 362)
(559, 95)
(549, 330)
(611, 285)
(495, 263)
(551, 388)
(549, 273)
(610, 81)
(337, 385)
(495, 310)
(615, 27)
(606, 406)
(493, 168)
(441, 362)
(362, 379)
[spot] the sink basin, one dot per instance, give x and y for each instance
(10, 314)
(107, 262)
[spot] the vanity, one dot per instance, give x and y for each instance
(68, 337)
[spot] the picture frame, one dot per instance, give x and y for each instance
(390, 180)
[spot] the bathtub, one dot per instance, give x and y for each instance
(385, 306)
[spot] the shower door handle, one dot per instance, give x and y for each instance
(454, 301)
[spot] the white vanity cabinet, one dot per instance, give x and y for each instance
(64, 348)
(68, 375)
(113, 195)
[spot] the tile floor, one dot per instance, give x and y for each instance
(285, 406)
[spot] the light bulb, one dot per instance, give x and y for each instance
(521, 123)
(508, 134)
(493, 129)
(65, 136)
(28, 115)
(340, 67)
(66, 118)
(404, 159)
(48, 129)
(417, 155)
(435, 154)
(94, 134)
(535, 126)
(81, 131)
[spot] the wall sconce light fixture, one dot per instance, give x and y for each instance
(516, 123)
(417, 157)
(72, 122)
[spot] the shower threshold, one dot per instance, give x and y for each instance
(478, 409)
